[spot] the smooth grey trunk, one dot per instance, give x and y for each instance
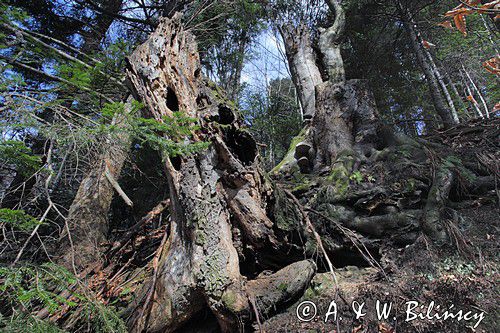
(454, 89)
(302, 61)
(329, 44)
(485, 106)
(473, 101)
(442, 83)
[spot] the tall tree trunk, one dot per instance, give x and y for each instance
(440, 103)
(442, 84)
(329, 44)
(340, 111)
(454, 89)
(447, 94)
(481, 98)
(470, 97)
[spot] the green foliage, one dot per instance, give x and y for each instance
(112, 59)
(171, 135)
(356, 176)
(224, 31)
(10, 78)
(103, 319)
(18, 219)
(27, 324)
(32, 287)
(15, 153)
(110, 110)
(76, 73)
(274, 118)
(11, 13)
(381, 51)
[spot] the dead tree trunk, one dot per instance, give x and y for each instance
(87, 221)
(229, 223)
(219, 201)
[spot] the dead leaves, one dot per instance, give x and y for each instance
(461, 23)
(496, 107)
(471, 99)
(446, 24)
(385, 328)
(459, 13)
(427, 44)
(490, 7)
(493, 65)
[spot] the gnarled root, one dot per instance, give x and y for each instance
(433, 214)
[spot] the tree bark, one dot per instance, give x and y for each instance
(302, 61)
(442, 84)
(87, 220)
(343, 114)
(219, 200)
(486, 111)
(472, 101)
(329, 44)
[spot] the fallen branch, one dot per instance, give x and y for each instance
(157, 210)
(147, 303)
(318, 241)
(117, 187)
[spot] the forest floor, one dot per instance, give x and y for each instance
(439, 281)
(467, 279)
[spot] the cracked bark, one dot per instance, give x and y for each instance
(219, 197)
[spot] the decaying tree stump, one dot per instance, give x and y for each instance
(220, 199)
